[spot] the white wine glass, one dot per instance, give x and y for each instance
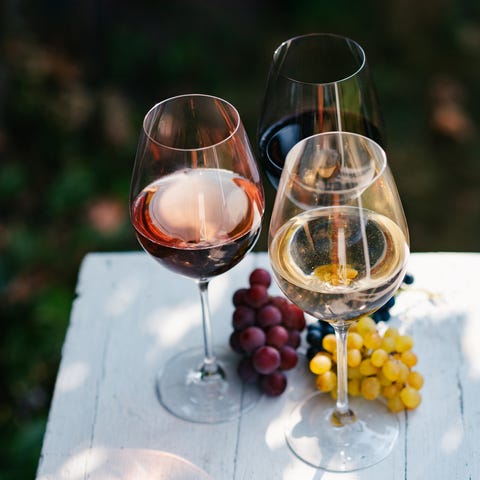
(317, 82)
(338, 247)
(196, 203)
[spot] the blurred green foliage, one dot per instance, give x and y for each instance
(76, 79)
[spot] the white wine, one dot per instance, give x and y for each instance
(339, 263)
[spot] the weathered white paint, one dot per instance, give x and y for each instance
(131, 315)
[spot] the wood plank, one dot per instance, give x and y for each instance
(438, 443)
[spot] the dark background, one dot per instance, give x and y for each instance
(77, 77)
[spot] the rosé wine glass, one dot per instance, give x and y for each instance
(197, 203)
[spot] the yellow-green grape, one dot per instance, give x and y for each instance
(384, 381)
(390, 391)
(391, 369)
(409, 358)
(366, 368)
(354, 340)
(334, 356)
(354, 357)
(379, 357)
(390, 332)
(403, 343)
(365, 325)
(395, 404)
(354, 373)
(404, 372)
(410, 397)
(326, 381)
(370, 388)
(354, 387)
(329, 342)
(320, 363)
(372, 340)
(415, 380)
(388, 344)
(353, 328)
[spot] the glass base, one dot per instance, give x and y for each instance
(194, 395)
(366, 441)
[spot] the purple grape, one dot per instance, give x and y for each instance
(273, 384)
(260, 276)
(293, 318)
(288, 358)
(315, 337)
(312, 351)
(279, 302)
(326, 327)
(256, 296)
(234, 342)
(246, 372)
(381, 316)
(238, 297)
(277, 336)
(266, 359)
(268, 316)
(390, 303)
(243, 317)
(251, 338)
(294, 338)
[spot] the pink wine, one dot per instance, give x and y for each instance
(198, 222)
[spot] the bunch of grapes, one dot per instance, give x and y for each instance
(266, 333)
(378, 366)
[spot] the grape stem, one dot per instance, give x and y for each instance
(342, 415)
(210, 366)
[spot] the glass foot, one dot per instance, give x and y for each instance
(314, 438)
(190, 392)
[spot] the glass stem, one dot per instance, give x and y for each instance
(342, 414)
(209, 366)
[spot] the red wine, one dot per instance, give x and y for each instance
(198, 222)
(277, 140)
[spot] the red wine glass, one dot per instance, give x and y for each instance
(196, 204)
(317, 83)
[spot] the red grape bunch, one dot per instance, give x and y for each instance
(266, 331)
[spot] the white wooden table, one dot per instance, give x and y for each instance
(131, 315)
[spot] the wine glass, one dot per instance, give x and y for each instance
(196, 203)
(338, 246)
(317, 83)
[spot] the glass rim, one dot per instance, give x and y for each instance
(297, 38)
(155, 107)
(290, 160)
